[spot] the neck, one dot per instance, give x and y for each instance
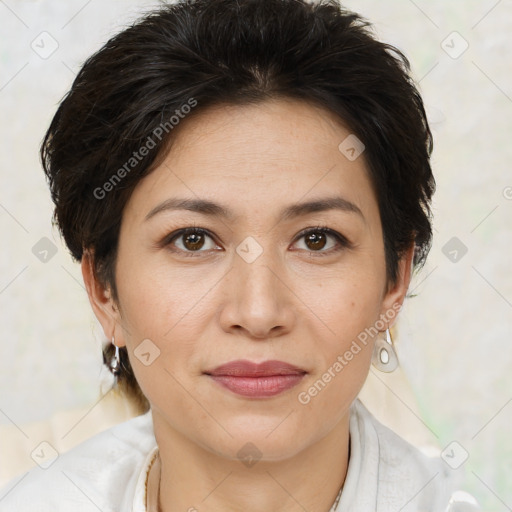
(193, 478)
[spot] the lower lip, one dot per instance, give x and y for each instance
(258, 387)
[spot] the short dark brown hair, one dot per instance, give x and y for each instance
(183, 57)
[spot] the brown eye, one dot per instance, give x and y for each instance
(317, 239)
(189, 241)
(193, 241)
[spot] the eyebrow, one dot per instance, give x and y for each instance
(213, 209)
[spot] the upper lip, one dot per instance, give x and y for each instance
(245, 368)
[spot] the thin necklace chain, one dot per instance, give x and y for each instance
(153, 481)
(333, 508)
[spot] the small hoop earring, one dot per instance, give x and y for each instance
(115, 364)
(384, 356)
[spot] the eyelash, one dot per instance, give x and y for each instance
(343, 243)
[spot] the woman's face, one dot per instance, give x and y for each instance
(253, 284)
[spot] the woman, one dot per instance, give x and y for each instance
(247, 187)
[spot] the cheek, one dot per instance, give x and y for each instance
(347, 354)
(349, 313)
(158, 299)
(348, 308)
(163, 317)
(349, 303)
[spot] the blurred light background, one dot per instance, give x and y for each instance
(453, 338)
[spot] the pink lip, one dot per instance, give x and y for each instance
(257, 380)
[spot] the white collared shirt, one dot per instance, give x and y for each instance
(108, 472)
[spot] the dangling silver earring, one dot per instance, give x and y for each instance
(384, 356)
(115, 364)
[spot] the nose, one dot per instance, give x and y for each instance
(258, 300)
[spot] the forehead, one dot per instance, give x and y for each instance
(252, 156)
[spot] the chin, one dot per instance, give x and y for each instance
(261, 441)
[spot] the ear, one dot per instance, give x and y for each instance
(396, 292)
(101, 300)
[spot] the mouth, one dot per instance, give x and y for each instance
(257, 380)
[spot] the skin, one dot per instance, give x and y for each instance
(292, 304)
